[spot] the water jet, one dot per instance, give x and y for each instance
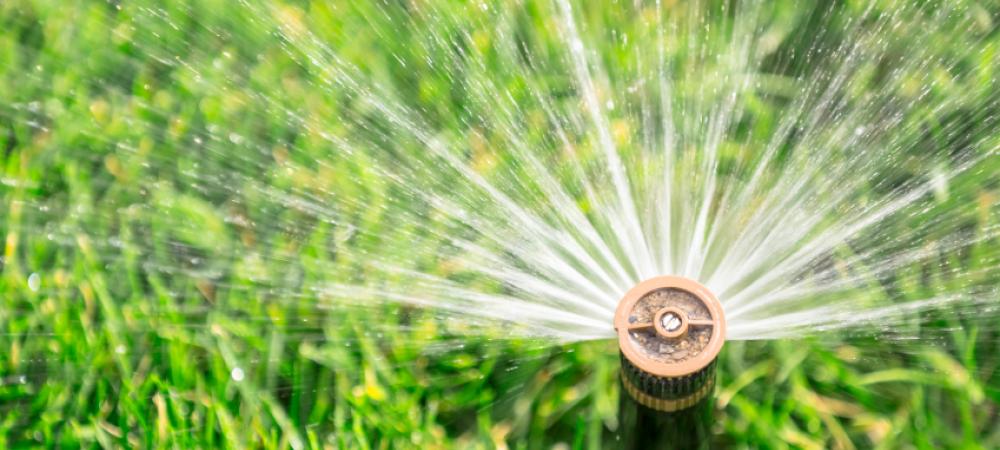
(670, 331)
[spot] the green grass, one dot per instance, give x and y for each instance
(164, 265)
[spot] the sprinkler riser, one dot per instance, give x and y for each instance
(642, 428)
(666, 394)
(670, 331)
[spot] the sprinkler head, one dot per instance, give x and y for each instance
(670, 331)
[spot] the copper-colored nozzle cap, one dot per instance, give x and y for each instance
(670, 326)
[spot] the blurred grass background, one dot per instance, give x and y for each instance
(154, 295)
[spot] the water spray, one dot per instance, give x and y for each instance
(670, 331)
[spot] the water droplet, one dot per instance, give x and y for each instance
(237, 374)
(34, 282)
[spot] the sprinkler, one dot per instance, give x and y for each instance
(670, 331)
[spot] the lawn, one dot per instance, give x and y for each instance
(183, 181)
